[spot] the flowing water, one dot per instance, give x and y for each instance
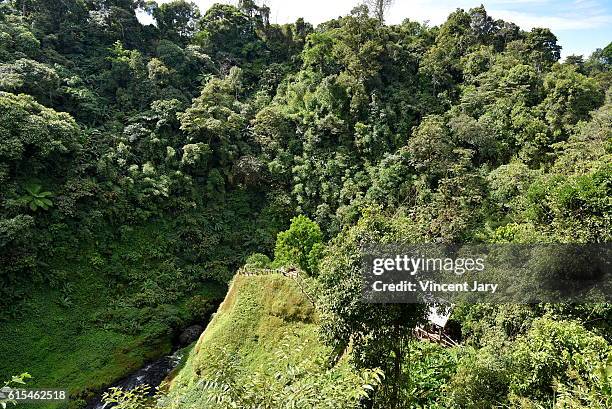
(152, 374)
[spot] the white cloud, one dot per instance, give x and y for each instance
(144, 18)
(313, 11)
(421, 10)
(287, 11)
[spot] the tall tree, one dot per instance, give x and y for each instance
(379, 8)
(176, 20)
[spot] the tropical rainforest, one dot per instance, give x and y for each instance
(148, 172)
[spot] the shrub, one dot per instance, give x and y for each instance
(300, 245)
(481, 380)
(258, 260)
(561, 352)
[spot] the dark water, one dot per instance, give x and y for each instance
(152, 374)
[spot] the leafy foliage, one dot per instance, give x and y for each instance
(141, 165)
(135, 398)
(300, 245)
(15, 381)
(36, 199)
(305, 384)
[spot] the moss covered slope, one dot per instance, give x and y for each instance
(108, 310)
(256, 318)
(265, 331)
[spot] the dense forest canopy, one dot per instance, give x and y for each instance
(159, 157)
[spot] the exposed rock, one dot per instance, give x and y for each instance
(191, 334)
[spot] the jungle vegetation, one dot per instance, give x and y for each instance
(142, 165)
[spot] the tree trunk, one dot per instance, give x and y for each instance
(397, 372)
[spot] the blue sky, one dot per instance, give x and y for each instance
(580, 25)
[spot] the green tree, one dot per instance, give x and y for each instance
(36, 139)
(570, 97)
(544, 355)
(216, 118)
(228, 33)
(176, 20)
(377, 334)
(542, 44)
(299, 245)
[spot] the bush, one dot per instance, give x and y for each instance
(200, 308)
(300, 245)
(556, 352)
(258, 260)
(481, 380)
(555, 361)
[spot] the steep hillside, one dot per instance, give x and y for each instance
(262, 341)
(258, 312)
(109, 310)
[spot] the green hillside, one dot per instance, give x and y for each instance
(85, 334)
(263, 345)
(150, 149)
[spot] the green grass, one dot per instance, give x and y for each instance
(87, 332)
(260, 316)
(255, 319)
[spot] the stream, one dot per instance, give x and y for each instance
(152, 374)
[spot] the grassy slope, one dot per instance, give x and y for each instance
(68, 345)
(59, 348)
(260, 316)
